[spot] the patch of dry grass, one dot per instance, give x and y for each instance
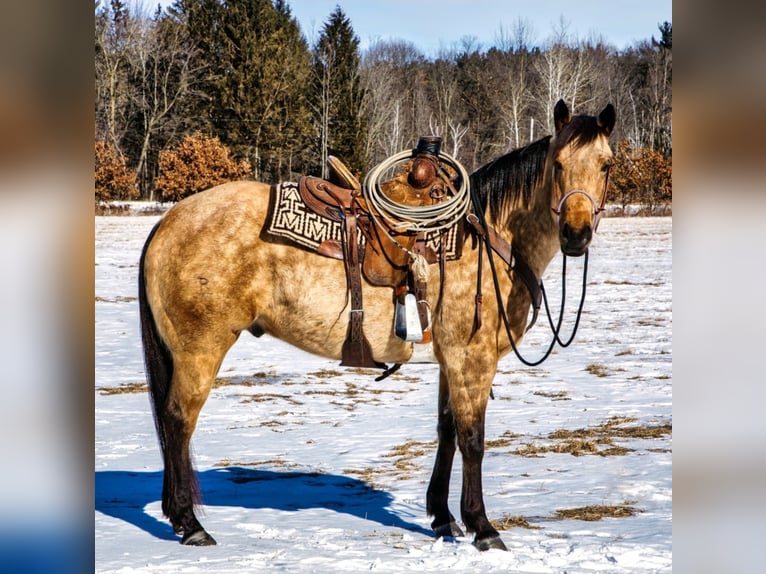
(266, 397)
(404, 456)
(118, 299)
(239, 381)
(325, 374)
(613, 428)
(575, 447)
(275, 462)
(366, 475)
(329, 392)
(506, 439)
(597, 512)
(592, 513)
(556, 396)
(403, 465)
(406, 378)
(507, 522)
(597, 370)
(125, 389)
(598, 440)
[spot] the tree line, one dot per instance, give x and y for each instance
(238, 80)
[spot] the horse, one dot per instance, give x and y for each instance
(207, 274)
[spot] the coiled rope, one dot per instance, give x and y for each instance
(403, 218)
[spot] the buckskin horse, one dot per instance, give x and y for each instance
(206, 274)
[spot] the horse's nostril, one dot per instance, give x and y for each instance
(576, 237)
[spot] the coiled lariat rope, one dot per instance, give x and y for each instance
(402, 218)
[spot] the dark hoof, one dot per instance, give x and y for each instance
(490, 543)
(449, 530)
(198, 538)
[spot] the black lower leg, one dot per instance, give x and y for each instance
(180, 491)
(472, 508)
(437, 495)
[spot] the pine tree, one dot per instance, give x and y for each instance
(255, 87)
(337, 94)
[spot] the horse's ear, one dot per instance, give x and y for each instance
(561, 115)
(606, 119)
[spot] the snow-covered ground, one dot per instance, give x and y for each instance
(306, 466)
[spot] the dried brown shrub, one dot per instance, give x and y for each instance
(508, 521)
(197, 163)
(597, 512)
(113, 179)
(641, 175)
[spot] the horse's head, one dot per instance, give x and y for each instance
(579, 160)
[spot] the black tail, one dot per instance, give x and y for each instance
(180, 489)
(157, 358)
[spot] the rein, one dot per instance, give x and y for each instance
(489, 236)
(556, 329)
(555, 339)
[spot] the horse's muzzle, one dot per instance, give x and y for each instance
(575, 242)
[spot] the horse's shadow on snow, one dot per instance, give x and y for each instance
(125, 494)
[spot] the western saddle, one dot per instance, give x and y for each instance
(384, 257)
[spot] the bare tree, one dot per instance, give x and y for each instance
(322, 104)
(393, 101)
(114, 42)
(162, 60)
(378, 105)
(515, 83)
(446, 99)
(565, 72)
(519, 86)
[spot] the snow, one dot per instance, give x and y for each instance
(306, 466)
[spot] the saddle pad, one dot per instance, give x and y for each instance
(290, 219)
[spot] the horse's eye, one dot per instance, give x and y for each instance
(607, 166)
(557, 166)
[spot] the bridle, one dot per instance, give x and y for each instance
(598, 208)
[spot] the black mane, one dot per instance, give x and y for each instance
(509, 181)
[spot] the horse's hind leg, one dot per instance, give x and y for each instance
(192, 379)
(438, 489)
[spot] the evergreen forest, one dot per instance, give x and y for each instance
(237, 90)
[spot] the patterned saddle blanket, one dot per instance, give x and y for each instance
(290, 219)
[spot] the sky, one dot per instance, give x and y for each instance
(432, 25)
(435, 24)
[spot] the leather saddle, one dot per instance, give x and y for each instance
(384, 262)
(383, 257)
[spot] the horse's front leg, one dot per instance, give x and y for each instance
(438, 489)
(469, 389)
